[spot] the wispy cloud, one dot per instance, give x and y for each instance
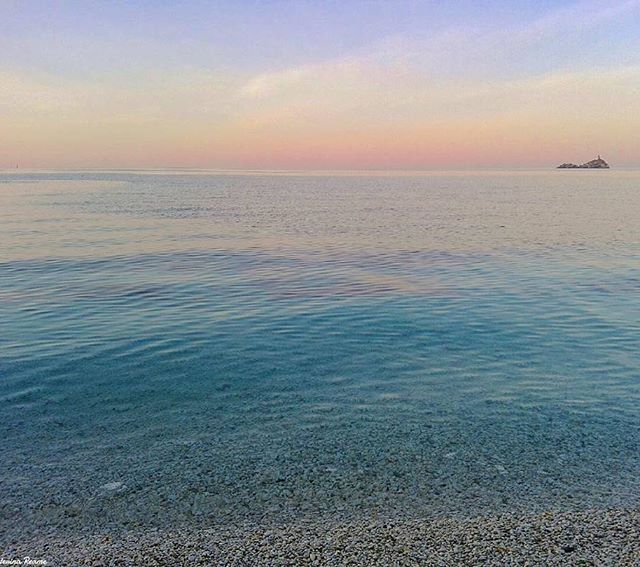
(453, 53)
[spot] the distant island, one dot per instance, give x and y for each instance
(597, 163)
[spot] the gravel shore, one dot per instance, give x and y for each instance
(593, 537)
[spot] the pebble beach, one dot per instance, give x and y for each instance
(592, 537)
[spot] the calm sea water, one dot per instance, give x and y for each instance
(220, 348)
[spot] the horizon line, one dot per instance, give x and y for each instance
(292, 170)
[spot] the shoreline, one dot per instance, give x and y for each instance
(589, 537)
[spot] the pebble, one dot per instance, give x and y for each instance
(112, 486)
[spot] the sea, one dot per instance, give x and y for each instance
(210, 348)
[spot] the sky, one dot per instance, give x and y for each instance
(350, 84)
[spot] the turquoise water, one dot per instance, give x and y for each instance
(193, 347)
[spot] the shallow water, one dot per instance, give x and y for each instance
(219, 348)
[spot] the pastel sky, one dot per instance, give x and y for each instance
(348, 84)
